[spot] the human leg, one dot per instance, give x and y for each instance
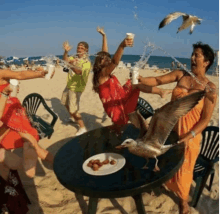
(8, 160)
(42, 153)
(29, 159)
(74, 100)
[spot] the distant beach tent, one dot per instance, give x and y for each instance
(15, 58)
(121, 64)
(25, 59)
(128, 65)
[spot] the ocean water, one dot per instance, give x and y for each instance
(159, 61)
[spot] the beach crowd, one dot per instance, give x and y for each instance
(118, 102)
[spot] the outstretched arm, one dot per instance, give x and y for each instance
(22, 75)
(173, 76)
(117, 56)
(104, 39)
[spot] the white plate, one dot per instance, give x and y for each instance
(106, 169)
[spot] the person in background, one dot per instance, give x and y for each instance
(118, 101)
(12, 196)
(172, 65)
(190, 126)
(80, 67)
(15, 128)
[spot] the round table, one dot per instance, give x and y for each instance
(131, 180)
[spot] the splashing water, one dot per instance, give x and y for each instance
(187, 70)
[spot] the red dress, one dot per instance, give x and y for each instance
(15, 118)
(118, 101)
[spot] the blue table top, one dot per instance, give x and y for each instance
(129, 180)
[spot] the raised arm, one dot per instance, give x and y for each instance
(66, 48)
(173, 76)
(104, 39)
(22, 75)
(117, 56)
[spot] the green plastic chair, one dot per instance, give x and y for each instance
(31, 103)
(204, 167)
(145, 109)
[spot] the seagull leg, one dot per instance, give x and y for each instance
(145, 166)
(156, 168)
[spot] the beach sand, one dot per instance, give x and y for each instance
(48, 196)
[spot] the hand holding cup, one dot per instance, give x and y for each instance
(129, 39)
(7, 90)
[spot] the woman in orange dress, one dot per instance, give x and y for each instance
(16, 130)
(118, 101)
(190, 126)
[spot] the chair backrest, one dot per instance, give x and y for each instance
(145, 109)
(32, 102)
(210, 143)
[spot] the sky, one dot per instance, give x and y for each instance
(38, 28)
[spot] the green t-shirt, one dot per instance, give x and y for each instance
(77, 82)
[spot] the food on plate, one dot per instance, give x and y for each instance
(112, 162)
(96, 164)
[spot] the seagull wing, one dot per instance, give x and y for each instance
(170, 17)
(166, 117)
(139, 122)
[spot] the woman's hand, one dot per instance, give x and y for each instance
(127, 43)
(140, 79)
(7, 90)
(185, 138)
(66, 46)
(101, 30)
(41, 72)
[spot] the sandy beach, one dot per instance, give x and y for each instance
(48, 196)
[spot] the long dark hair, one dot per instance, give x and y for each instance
(97, 69)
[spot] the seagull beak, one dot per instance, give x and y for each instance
(120, 147)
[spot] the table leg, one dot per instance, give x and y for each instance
(139, 203)
(92, 205)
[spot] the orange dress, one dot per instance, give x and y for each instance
(182, 180)
(15, 118)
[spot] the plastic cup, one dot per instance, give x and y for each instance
(14, 86)
(50, 68)
(135, 74)
(130, 36)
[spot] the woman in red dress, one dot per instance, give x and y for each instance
(16, 130)
(118, 101)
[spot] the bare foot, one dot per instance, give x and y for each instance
(101, 30)
(165, 92)
(29, 160)
(184, 207)
(156, 169)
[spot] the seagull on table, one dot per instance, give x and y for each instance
(188, 20)
(151, 140)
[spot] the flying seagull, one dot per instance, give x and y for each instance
(150, 142)
(188, 20)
